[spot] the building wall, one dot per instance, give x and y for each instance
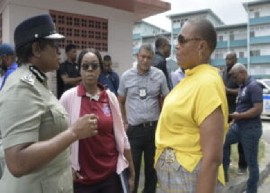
(179, 20)
(120, 24)
(230, 39)
(259, 28)
(250, 41)
(144, 33)
(263, 10)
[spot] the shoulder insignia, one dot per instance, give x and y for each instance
(29, 78)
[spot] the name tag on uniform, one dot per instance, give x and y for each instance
(142, 93)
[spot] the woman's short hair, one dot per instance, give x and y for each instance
(206, 31)
(147, 47)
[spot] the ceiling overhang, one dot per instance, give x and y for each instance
(140, 8)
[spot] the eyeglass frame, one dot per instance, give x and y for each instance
(94, 66)
(182, 40)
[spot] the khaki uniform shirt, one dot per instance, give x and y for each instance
(29, 113)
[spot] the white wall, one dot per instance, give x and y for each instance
(120, 25)
(119, 31)
(262, 9)
(262, 30)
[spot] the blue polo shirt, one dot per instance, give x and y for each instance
(250, 92)
(110, 80)
(10, 69)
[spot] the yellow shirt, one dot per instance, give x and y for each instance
(183, 111)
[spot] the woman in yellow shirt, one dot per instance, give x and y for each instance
(192, 124)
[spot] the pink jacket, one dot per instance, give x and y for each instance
(72, 102)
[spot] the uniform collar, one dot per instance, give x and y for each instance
(135, 69)
(41, 77)
(82, 92)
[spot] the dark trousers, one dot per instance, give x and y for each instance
(110, 185)
(249, 136)
(242, 164)
(142, 141)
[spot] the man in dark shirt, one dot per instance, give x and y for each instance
(7, 62)
(231, 92)
(247, 125)
(163, 51)
(108, 77)
(68, 74)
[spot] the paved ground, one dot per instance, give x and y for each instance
(238, 182)
(265, 187)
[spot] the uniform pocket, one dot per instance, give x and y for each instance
(58, 184)
(59, 117)
(53, 123)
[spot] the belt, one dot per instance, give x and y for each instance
(146, 124)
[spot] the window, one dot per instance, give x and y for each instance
(257, 14)
(231, 37)
(220, 38)
(241, 55)
(255, 53)
(252, 34)
(83, 31)
(218, 55)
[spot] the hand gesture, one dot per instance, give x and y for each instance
(85, 126)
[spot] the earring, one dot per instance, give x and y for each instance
(200, 55)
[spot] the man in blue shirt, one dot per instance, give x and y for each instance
(108, 77)
(231, 93)
(247, 125)
(8, 65)
(177, 76)
(7, 62)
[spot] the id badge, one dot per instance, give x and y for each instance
(142, 93)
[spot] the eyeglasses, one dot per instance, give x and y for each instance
(182, 40)
(94, 66)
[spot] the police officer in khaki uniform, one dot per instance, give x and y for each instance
(34, 125)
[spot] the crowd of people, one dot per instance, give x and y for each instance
(93, 136)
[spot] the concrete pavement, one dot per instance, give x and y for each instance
(238, 183)
(265, 187)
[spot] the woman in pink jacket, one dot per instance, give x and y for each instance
(97, 161)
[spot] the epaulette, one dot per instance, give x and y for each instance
(29, 78)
